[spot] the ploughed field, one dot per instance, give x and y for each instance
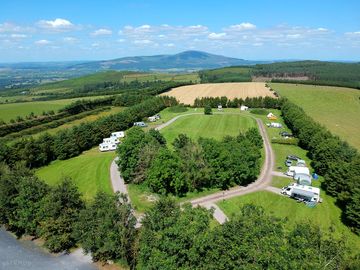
(337, 108)
(187, 94)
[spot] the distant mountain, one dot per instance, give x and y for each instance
(184, 61)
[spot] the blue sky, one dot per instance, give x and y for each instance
(39, 30)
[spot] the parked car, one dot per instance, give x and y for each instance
(285, 134)
(288, 162)
(293, 157)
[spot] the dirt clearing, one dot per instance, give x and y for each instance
(187, 94)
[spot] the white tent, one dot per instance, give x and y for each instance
(244, 108)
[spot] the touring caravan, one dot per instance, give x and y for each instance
(293, 170)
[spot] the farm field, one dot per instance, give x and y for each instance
(90, 171)
(337, 108)
(326, 214)
(208, 126)
(187, 94)
(88, 118)
(12, 110)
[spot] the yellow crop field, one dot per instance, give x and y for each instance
(187, 94)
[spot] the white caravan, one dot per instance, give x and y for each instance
(118, 134)
(293, 170)
(301, 192)
(109, 144)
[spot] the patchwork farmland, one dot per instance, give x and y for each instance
(187, 94)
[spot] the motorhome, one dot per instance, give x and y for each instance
(302, 192)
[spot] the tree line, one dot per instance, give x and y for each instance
(71, 109)
(170, 237)
(254, 102)
(191, 166)
(71, 142)
(331, 157)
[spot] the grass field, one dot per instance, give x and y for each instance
(187, 94)
(326, 214)
(336, 108)
(88, 118)
(90, 171)
(209, 126)
(111, 76)
(12, 110)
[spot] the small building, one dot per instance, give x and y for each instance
(220, 108)
(271, 116)
(244, 108)
(140, 124)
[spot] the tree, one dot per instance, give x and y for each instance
(165, 174)
(207, 109)
(168, 236)
(106, 228)
(59, 212)
(31, 191)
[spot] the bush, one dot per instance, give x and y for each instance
(289, 141)
(207, 110)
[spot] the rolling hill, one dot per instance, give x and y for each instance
(184, 61)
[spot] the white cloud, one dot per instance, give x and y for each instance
(217, 35)
(8, 27)
(242, 26)
(42, 42)
(70, 39)
(258, 44)
(57, 25)
(169, 45)
(18, 36)
(143, 42)
(121, 40)
(102, 32)
(293, 36)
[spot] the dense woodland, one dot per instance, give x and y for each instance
(144, 158)
(317, 72)
(170, 238)
(331, 157)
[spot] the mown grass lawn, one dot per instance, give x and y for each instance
(215, 126)
(326, 214)
(90, 172)
(337, 108)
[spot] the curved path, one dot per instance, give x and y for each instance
(209, 201)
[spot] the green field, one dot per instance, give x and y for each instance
(12, 110)
(111, 76)
(336, 108)
(85, 119)
(208, 126)
(90, 171)
(326, 214)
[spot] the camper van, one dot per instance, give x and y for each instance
(301, 192)
(140, 124)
